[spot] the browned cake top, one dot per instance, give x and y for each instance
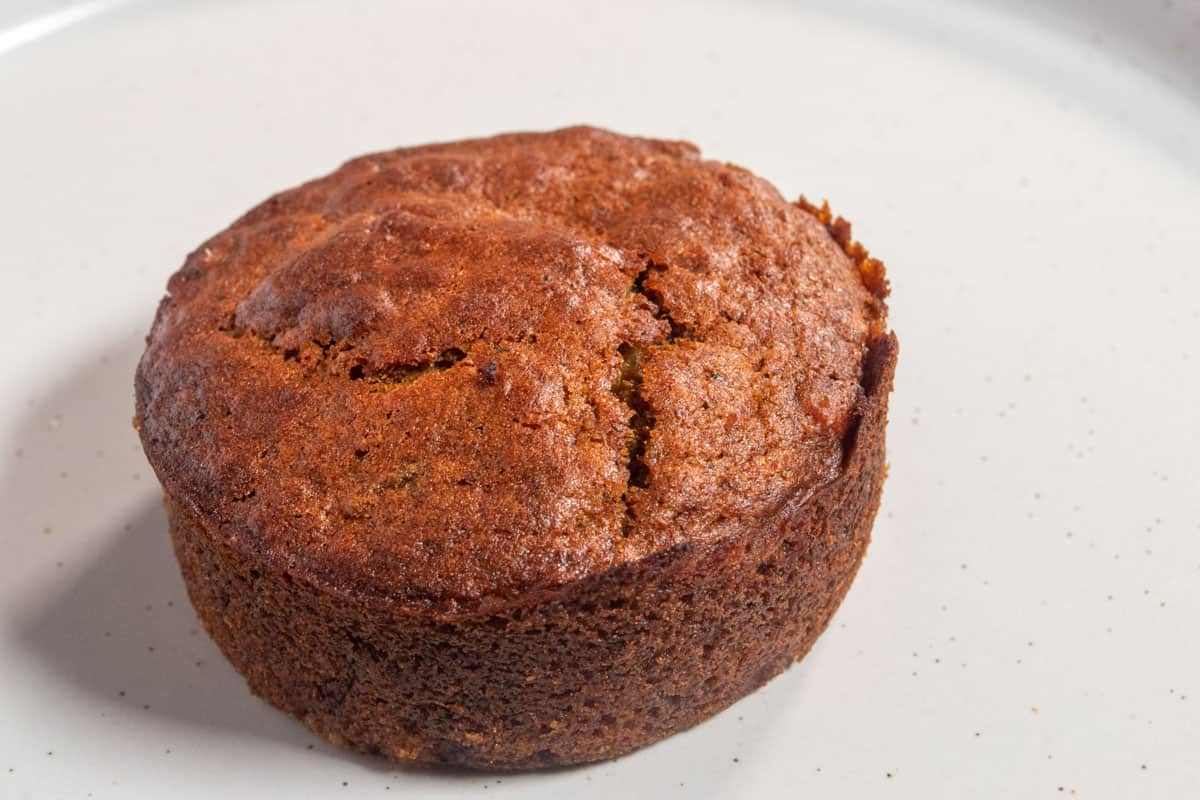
(453, 374)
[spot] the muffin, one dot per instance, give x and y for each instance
(520, 451)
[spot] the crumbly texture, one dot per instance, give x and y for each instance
(519, 451)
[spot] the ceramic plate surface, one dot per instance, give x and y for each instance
(1025, 624)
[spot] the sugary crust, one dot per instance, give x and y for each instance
(451, 378)
(597, 668)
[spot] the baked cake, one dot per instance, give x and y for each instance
(520, 451)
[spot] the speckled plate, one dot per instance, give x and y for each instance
(1026, 622)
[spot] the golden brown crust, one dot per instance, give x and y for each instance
(454, 378)
(607, 664)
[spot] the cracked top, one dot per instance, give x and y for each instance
(447, 376)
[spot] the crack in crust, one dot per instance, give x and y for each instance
(627, 386)
(411, 372)
(329, 354)
(678, 331)
(628, 389)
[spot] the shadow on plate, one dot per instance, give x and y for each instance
(107, 613)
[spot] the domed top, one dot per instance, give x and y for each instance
(446, 376)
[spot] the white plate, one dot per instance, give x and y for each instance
(1027, 616)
